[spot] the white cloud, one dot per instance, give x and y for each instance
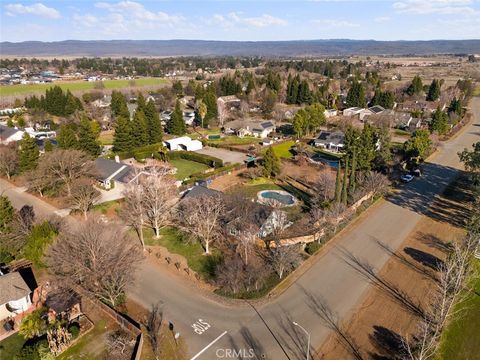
(137, 11)
(234, 19)
(335, 23)
(441, 7)
(35, 9)
(382, 19)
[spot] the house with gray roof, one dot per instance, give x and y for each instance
(9, 135)
(109, 171)
(15, 295)
(330, 140)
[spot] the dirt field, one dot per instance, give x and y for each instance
(377, 327)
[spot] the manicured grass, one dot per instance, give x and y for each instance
(11, 346)
(178, 243)
(251, 190)
(461, 338)
(328, 154)
(83, 348)
(77, 85)
(283, 150)
(185, 168)
(109, 207)
(235, 140)
(106, 137)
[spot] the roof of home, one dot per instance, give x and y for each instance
(327, 137)
(229, 98)
(12, 287)
(6, 132)
(376, 109)
(62, 300)
(109, 169)
(253, 125)
(200, 190)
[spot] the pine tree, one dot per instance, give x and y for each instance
(345, 183)
(434, 91)
(353, 168)
(28, 153)
(176, 125)
(416, 87)
(356, 95)
(118, 105)
(338, 183)
(7, 214)
(271, 163)
(210, 99)
(141, 102)
(155, 131)
(122, 138)
(66, 137)
(47, 145)
(140, 135)
(87, 139)
(439, 122)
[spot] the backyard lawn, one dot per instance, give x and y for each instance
(176, 243)
(235, 140)
(283, 150)
(461, 338)
(11, 346)
(253, 187)
(185, 168)
(77, 85)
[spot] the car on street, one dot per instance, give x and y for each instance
(406, 178)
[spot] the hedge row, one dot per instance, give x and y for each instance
(140, 152)
(227, 147)
(193, 156)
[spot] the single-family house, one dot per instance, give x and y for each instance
(330, 112)
(415, 124)
(183, 143)
(103, 102)
(189, 117)
(330, 140)
(15, 295)
(109, 171)
(352, 111)
(9, 135)
(376, 109)
(229, 102)
(250, 128)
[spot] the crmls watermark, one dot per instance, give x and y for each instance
(235, 354)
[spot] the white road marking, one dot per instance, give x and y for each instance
(206, 347)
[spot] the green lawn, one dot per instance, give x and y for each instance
(77, 85)
(177, 243)
(11, 346)
(283, 150)
(257, 185)
(185, 168)
(235, 140)
(461, 338)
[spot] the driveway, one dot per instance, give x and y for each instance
(331, 283)
(226, 155)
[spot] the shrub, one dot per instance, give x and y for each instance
(74, 329)
(313, 247)
(193, 156)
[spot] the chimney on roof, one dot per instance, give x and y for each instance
(117, 159)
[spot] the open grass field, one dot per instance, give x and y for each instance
(185, 168)
(177, 243)
(11, 346)
(20, 89)
(461, 339)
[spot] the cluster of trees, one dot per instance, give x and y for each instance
(356, 95)
(309, 119)
(417, 88)
(419, 145)
(55, 102)
(145, 128)
(440, 122)
(82, 136)
(176, 124)
(298, 91)
(385, 98)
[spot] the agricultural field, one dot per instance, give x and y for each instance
(13, 90)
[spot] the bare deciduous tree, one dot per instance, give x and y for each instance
(83, 196)
(8, 161)
(201, 218)
(154, 326)
(247, 239)
(325, 186)
(333, 215)
(61, 168)
(284, 259)
(101, 259)
(133, 210)
(160, 195)
(231, 274)
(375, 183)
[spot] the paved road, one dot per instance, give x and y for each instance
(268, 330)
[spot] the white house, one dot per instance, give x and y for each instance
(334, 141)
(330, 112)
(183, 143)
(352, 111)
(8, 134)
(250, 128)
(15, 295)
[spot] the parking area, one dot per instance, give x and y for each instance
(226, 155)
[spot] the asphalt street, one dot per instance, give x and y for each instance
(216, 331)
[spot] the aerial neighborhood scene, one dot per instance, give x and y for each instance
(240, 180)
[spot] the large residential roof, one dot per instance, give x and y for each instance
(249, 124)
(111, 169)
(327, 137)
(12, 287)
(199, 190)
(6, 132)
(376, 109)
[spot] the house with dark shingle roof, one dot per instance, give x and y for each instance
(110, 170)
(15, 295)
(8, 134)
(330, 140)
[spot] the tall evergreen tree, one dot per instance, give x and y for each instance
(7, 214)
(155, 131)
(118, 105)
(87, 138)
(345, 183)
(176, 125)
(439, 122)
(140, 136)
(28, 153)
(210, 99)
(352, 184)
(416, 87)
(66, 137)
(141, 102)
(338, 183)
(356, 95)
(271, 163)
(434, 91)
(122, 138)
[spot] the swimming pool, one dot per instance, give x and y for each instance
(282, 198)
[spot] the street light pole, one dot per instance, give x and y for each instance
(308, 335)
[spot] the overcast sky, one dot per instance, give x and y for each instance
(240, 20)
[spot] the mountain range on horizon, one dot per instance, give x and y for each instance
(152, 48)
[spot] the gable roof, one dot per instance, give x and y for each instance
(12, 287)
(200, 190)
(376, 109)
(6, 132)
(327, 137)
(109, 169)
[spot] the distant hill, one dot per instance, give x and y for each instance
(238, 48)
